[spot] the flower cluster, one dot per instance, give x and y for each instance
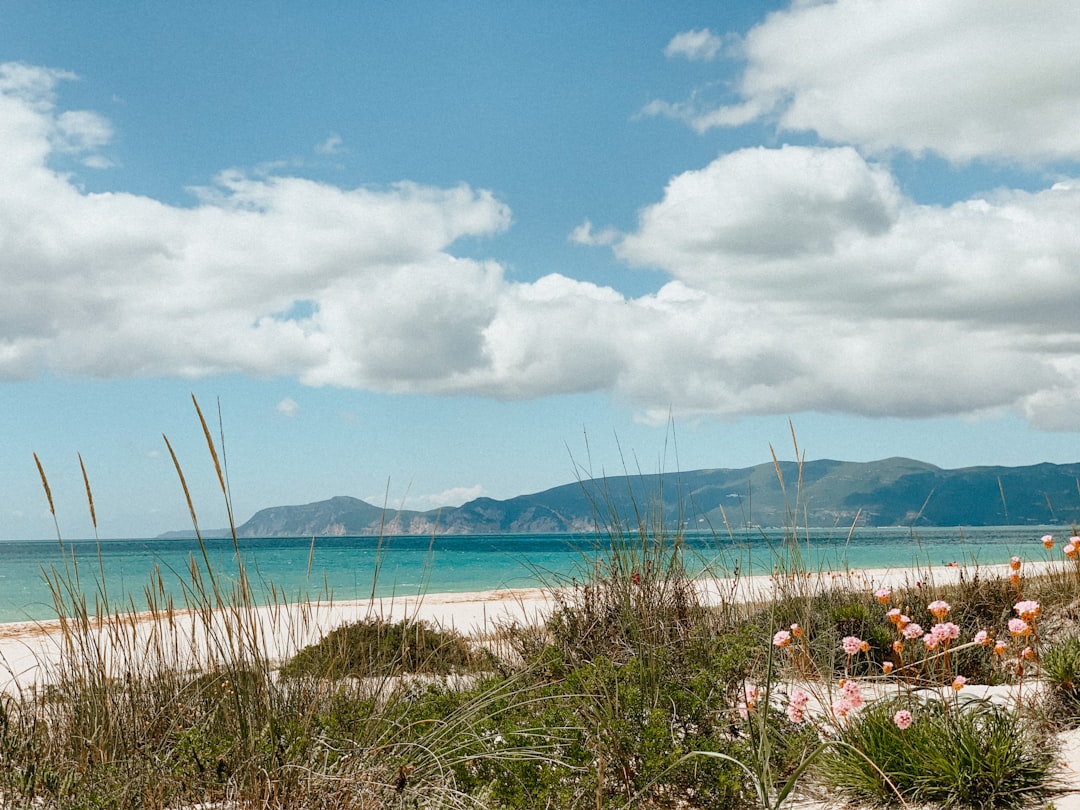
(937, 639)
(796, 708)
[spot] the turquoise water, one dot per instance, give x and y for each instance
(352, 567)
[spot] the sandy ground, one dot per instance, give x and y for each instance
(30, 651)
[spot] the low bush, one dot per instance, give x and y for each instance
(943, 753)
(378, 647)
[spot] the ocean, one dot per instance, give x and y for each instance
(355, 567)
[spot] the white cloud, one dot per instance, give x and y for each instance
(583, 234)
(821, 287)
(455, 496)
(801, 279)
(333, 145)
(697, 45)
(967, 79)
(288, 407)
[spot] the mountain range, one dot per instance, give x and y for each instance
(890, 492)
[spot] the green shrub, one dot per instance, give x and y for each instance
(377, 647)
(954, 754)
(1061, 671)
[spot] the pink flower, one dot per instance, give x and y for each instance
(958, 682)
(886, 667)
(1075, 540)
(894, 615)
(1018, 627)
(999, 647)
(851, 644)
(795, 714)
(796, 631)
(1014, 563)
(912, 631)
(902, 719)
(781, 639)
(930, 640)
(882, 595)
(750, 694)
(1048, 541)
(799, 698)
(939, 609)
(1027, 610)
(1070, 550)
(1027, 653)
(946, 631)
(853, 693)
(981, 638)
(842, 708)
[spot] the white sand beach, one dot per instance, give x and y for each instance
(29, 650)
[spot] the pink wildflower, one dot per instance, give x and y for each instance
(958, 682)
(999, 647)
(945, 631)
(800, 698)
(1048, 541)
(882, 595)
(981, 638)
(939, 609)
(796, 631)
(912, 631)
(1027, 610)
(893, 615)
(1018, 627)
(886, 667)
(1014, 563)
(842, 708)
(750, 694)
(781, 639)
(1070, 550)
(898, 647)
(851, 644)
(902, 719)
(853, 693)
(930, 641)
(1027, 653)
(795, 714)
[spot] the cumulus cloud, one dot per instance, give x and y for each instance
(965, 80)
(801, 278)
(821, 285)
(697, 45)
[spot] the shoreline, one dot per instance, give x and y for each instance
(31, 650)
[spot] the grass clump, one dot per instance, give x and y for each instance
(953, 754)
(1061, 670)
(376, 646)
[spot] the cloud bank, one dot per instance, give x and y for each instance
(800, 277)
(966, 80)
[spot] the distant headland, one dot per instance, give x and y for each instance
(822, 493)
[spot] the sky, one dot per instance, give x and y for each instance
(419, 253)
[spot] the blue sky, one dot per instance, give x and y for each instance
(430, 251)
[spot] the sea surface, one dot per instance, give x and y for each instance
(346, 568)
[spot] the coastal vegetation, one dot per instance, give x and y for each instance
(635, 692)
